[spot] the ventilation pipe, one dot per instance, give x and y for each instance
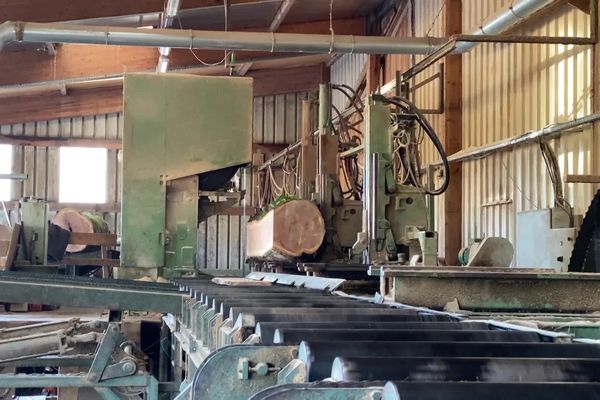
(169, 15)
(258, 41)
(194, 39)
(505, 20)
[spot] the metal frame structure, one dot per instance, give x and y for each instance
(112, 294)
(113, 367)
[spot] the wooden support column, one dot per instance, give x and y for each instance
(373, 73)
(596, 101)
(308, 155)
(453, 137)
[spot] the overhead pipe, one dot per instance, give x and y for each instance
(171, 10)
(196, 39)
(500, 23)
(258, 41)
(505, 20)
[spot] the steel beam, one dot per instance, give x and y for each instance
(112, 294)
(498, 291)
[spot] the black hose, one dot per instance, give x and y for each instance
(408, 106)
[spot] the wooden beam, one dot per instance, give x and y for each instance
(78, 103)
(81, 103)
(280, 15)
(583, 5)
(301, 79)
(373, 73)
(93, 239)
(65, 10)
(112, 144)
(453, 137)
(583, 178)
(81, 61)
(77, 261)
(596, 102)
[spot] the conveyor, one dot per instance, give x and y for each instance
(299, 339)
(294, 342)
(76, 291)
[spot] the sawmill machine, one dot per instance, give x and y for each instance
(368, 185)
(395, 213)
(184, 138)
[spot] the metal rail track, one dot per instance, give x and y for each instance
(286, 342)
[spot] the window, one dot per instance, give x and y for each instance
(5, 168)
(82, 175)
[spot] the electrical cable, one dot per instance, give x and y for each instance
(554, 171)
(409, 107)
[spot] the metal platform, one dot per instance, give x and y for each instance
(108, 294)
(288, 341)
(492, 289)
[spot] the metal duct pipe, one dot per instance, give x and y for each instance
(194, 39)
(505, 20)
(169, 15)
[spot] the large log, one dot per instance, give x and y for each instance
(288, 231)
(75, 221)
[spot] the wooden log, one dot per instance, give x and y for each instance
(288, 231)
(75, 221)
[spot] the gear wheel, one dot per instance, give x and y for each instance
(586, 251)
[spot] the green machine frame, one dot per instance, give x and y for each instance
(394, 215)
(175, 128)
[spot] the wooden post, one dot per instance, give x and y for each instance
(453, 136)
(373, 73)
(596, 97)
(308, 155)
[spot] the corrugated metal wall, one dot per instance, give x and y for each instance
(41, 164)
(509, 89)
(221, 239)
(348, 69)
(277, 119)
(428, 21)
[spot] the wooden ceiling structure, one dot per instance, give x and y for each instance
(52, 67)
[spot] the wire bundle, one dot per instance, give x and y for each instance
(406, 147)
(557, 186)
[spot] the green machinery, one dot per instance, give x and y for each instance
(396, 220)
(184, 138)
(387, 217)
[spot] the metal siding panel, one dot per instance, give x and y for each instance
(348, 70)
(234, 243)
(29, 161)
(201, 256)
(279, 118)
(41, 165)
(290, 129)
(508, 90)
(52, 163)
(223, 246)
(212, 243)
(258, 120)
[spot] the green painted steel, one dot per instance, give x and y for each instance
(98, 293)
(498, 291)
(35, 230)
(181, 225)
(175, 126)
